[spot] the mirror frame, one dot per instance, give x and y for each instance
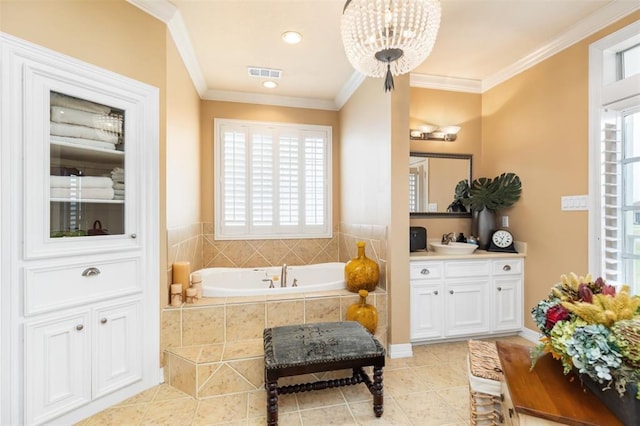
(452, 156)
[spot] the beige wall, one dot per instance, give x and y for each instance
(365, 153)
(398, 258)
(536, 125)
(439, 107)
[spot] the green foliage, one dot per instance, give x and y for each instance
(494, 194)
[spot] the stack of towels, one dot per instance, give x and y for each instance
(81, 122)
(81, 187)
(117, 175)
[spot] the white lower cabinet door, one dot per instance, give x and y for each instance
(117, 355)
(507, 313)
(466, 306)
(57, 365)
(426, 311)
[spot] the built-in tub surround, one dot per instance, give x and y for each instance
(214, 346)
(272, 280)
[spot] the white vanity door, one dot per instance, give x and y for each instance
(467, 306)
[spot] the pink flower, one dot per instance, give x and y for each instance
(554, 314)
(609, 290)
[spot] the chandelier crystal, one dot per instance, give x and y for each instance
(389, 37)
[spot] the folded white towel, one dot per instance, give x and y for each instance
(118, 191)
(118, 197)
(117, 170)
(118, 185)
(82, 193)
(80, 182)
(83, 142)
(63, 129)
(59, 99)
(105, 122)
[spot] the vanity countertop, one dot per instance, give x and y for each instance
(478, 254)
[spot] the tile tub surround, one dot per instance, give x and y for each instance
(428, 389)
(214, 346)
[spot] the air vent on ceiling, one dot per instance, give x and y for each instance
(264, 72)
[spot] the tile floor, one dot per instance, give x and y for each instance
(428, 389)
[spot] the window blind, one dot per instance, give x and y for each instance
(272, 180)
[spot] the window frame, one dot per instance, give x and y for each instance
(607, 90)
(278, 131)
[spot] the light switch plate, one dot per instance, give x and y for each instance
(575, 203)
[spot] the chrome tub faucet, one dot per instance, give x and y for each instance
(283, 276)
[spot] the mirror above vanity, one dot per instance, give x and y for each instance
(432, 182)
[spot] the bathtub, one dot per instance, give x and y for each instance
(223, 282)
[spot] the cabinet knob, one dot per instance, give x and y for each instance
(435, 292)
(134, 236)
(425, 271)
(506, 268)
(79, 327)
(90, 272)
(103, 321)
(499, 288)
(450, 291)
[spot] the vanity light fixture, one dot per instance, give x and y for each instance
(434, 133)
(291, 37)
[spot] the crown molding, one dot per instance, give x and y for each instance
(349, 88)
(262, 99)
(598, 20)
(162, 10)
(453, 84)
(166, 12)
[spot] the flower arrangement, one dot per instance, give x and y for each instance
(592, 328)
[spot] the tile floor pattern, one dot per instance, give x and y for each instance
(430, 388)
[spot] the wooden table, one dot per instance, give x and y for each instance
(546, 393)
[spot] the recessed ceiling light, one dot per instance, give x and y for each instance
(291, 37)
(270, 84)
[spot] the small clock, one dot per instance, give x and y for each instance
(502, 240)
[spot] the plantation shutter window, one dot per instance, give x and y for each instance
(272, 180)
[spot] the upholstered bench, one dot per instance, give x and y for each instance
(311, 348)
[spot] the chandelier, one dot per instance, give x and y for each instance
(389, 37)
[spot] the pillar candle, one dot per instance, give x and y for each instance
(196, 282)
(176, 294)
(181, 272)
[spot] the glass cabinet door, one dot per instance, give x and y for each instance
(87, 168)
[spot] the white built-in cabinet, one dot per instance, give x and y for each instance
(456, 298)
(80, 251)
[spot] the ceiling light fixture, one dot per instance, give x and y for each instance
(291, 37)
(389, 36)
(269, 84)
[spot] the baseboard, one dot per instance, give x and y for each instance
(532, 336)
(402, 350)
(161, 377)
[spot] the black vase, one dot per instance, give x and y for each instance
(483, 223)
(626, 407)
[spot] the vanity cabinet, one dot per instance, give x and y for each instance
(80, 355)
(465, 297)
(80, 249)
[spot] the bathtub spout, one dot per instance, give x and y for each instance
(283, 276)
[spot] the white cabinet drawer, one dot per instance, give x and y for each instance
(425, 270)
(507, 267)
(54, 287)
(472, 268)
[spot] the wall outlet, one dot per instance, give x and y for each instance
(432, 207)
(505, 221)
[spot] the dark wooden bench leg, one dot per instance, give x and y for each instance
(377, 391)
(272, 403)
